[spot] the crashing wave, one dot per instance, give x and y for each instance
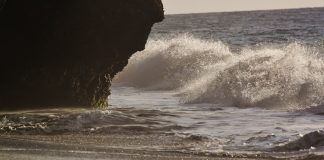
(290, 76)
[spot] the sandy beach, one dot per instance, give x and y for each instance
(121, 146)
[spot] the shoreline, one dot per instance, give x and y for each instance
(137, 145)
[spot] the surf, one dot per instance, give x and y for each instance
(289, 76)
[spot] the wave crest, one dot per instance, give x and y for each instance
(169, 64)
(208, 72)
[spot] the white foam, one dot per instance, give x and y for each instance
(202, 71)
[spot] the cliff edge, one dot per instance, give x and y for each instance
(65, 52)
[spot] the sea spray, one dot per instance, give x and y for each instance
(289, 77)
(169, 64)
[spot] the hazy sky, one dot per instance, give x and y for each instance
(196, 6)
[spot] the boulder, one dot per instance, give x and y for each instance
(65, 52)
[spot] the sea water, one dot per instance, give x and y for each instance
(247, 81)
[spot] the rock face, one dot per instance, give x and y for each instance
(308, 141)
(65, 52)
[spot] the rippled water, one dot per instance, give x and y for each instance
(248, 28)
(221, 128)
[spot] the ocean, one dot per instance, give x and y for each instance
(232, 84)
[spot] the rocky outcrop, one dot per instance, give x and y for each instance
(311, 140)
(65, 52)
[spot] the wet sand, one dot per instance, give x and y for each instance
(112, 146)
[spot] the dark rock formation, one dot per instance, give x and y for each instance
(65, 52)
(313, 139)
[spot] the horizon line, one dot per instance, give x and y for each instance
(274, 9)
